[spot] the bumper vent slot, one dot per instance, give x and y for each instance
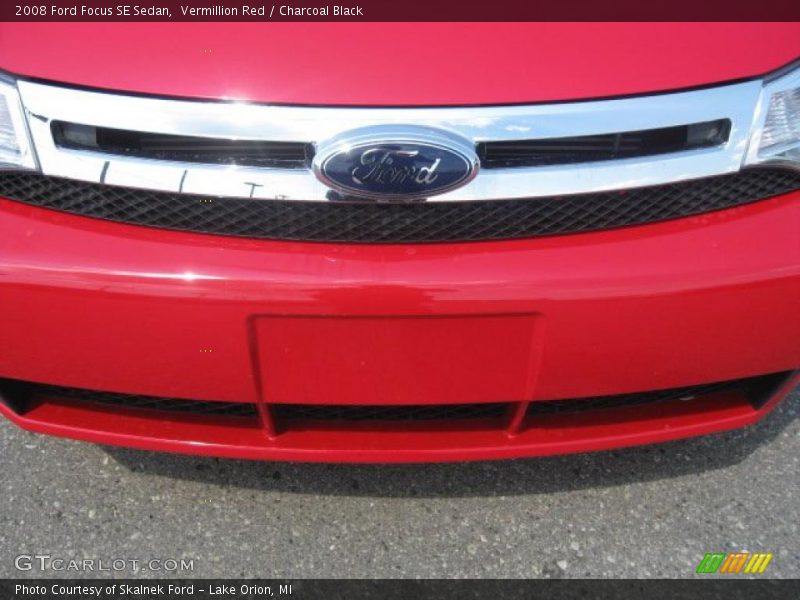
(21, 396)
(755, 389)
(612, 146)
(422, 412)
(181, 148)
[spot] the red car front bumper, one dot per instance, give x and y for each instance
(103, 306)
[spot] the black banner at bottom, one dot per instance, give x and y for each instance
(390, 589)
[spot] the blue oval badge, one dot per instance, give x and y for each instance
(395, 162)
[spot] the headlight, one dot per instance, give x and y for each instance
(15, 148)
(776, 138)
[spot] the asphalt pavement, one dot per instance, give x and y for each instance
(641, 512)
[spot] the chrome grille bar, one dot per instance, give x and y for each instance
(225, 120)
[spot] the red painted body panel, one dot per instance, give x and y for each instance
(396, 63)
(403, 359)
(101, 305)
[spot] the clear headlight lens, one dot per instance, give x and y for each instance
(782, 126)
(15, 148)
(777, 135)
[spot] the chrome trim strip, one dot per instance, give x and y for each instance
(236, 120)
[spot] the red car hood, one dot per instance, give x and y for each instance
(396, 63)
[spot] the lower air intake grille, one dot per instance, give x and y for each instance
(23, 393)
(398, 223)
(23, 396)
(420, 412)
(604, 402)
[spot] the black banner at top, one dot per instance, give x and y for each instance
(398, 10)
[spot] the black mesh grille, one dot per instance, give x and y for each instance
(421, 412)
(398, 223)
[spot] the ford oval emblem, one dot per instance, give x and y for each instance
(395, 162)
